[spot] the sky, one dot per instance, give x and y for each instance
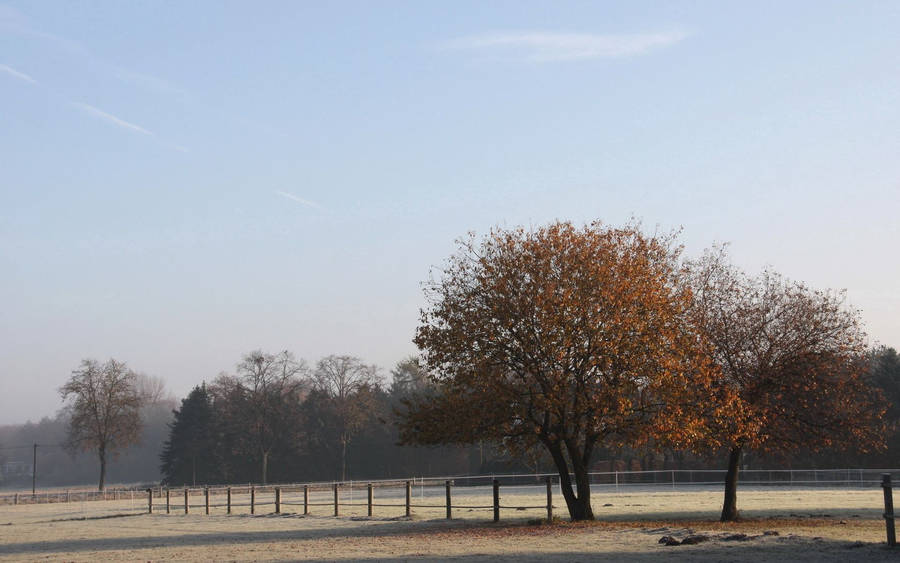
(184, 182)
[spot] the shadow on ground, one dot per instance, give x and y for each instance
(783, 548)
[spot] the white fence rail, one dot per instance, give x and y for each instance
(433, 486)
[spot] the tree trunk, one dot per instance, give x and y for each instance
(565, 480)
(101, 453)
(729, 508)
(265, 466)
(583, 510)
(193, 471)
(579, 505)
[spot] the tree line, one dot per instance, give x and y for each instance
(276, 419)
(555, 347)
(374, 452)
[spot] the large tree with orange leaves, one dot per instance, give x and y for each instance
(794, 360)
(561, 337)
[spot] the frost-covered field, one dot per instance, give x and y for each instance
(802, 525)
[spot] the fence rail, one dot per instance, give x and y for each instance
(473, 487)
(264, 495)
(55, 496)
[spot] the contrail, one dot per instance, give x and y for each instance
(299, 200)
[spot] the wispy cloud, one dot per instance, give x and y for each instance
(15, 22)
(299, 200)
(110, 118)
(542, 47)
(15, 73)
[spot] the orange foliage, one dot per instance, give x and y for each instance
(793, 358)
(562, 337)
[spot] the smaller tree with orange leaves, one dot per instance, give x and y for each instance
(794, 359)
(563, 338)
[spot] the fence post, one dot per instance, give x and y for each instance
(449, 510)
(16, 500)
(277, 500)
(305, 499)
(206, 499)
(408, 495)
(888, 509)
(336, 509)
(496, 500)
(67, 495)
(228, 500)
(549, 499)
(186, 504)
(167, 500)
(149, 501)
(370, 498)
(252, 499)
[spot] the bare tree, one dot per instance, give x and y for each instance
(348, 384)
(151, 389)
(409, 378)
(271, 385)
(104, 409)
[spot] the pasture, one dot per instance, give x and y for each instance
(787, 524)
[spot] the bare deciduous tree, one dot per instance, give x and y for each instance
(271, 385)
(151, 389)
(410, 378)
(348, 384)
(104, 409)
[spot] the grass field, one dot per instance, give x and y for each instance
(780, 524)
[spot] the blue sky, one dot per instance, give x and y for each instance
(181, 183)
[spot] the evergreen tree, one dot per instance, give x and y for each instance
(885, 375)
(190, 453)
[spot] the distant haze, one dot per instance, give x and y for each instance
(181, 184)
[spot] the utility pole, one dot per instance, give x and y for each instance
(33, 469)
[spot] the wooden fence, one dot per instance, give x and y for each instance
(300, 498)
(274, 499)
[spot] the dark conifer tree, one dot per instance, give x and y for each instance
(189, 455)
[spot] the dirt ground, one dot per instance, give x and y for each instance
(779, 525)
